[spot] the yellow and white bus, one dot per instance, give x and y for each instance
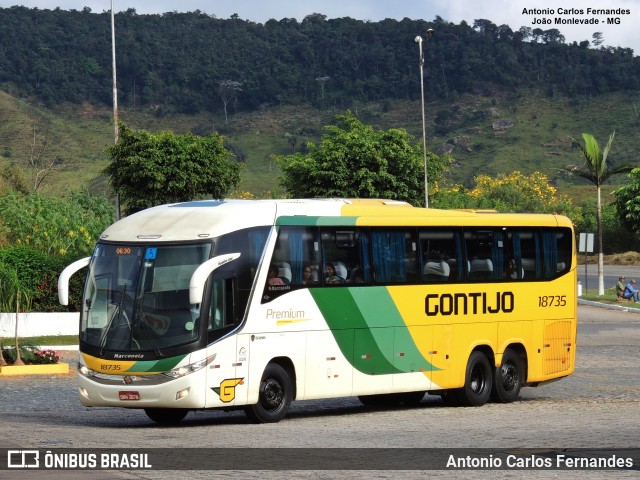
(252, 304)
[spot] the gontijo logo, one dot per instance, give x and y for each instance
(227, 389)
(464, 303)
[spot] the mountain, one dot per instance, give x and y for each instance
(499, 100)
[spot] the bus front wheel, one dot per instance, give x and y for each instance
(276, 393)
(507, 378)
(166, 416)
(477, 385)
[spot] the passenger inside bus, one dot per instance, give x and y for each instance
(332, 277)
(308, 277)
(511, 272)
(272, 276)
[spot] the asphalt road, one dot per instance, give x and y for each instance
(597, 407)
(588, 275)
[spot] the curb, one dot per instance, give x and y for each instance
(48, 369)
(609, 306)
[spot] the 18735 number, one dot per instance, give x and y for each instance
(552, 301)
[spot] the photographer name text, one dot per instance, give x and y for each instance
(576, 16)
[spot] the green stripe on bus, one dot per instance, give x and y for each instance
(157, 365)
(351, 331)
(368, 329)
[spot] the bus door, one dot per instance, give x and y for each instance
(226, 373)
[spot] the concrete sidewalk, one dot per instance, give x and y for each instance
(625, 307)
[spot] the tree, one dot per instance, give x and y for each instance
(510, 193)
(616, 236)
(597, 39)
(46, 151)
(355, 160)
(149, 169)
(228, 91)
(598, 171)
(627, 202)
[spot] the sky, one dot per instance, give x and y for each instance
(622, 32)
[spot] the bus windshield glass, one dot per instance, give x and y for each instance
(137, 297)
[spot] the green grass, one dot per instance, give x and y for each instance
(609, 297)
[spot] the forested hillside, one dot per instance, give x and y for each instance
(498, 100)
(186, 62)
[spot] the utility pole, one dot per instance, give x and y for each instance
(418, 40)
(115, 94)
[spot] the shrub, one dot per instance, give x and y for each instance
(38, 274)
(27, 353)
(30, 354)
(41, 235)
(46, 357)
(63, 225)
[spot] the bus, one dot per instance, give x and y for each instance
(251, 304)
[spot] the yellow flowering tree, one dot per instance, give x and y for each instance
(510, 193)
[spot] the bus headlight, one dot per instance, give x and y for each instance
(86, 371)
(187, 369)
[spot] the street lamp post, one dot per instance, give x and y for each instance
(418, 40)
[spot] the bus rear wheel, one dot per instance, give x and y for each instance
(276, 393)
(478, 380)
(507, 378)
(166, 416)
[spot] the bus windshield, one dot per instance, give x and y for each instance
(137, 297)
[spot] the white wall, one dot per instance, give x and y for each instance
(39, 324)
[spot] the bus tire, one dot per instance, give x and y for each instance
(166, 416)
(478, 379)
(276, 392)
(507, 378)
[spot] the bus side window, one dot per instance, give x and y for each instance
(531, 254)
(394, 255)
(439, 253)
(222, 312)
(340, 248)
(486, 255)
(557, 252)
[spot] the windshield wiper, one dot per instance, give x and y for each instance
(108, 333)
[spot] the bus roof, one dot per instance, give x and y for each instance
(210, 218)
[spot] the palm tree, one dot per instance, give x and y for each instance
(598, 171)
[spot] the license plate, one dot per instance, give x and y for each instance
(129, 396)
